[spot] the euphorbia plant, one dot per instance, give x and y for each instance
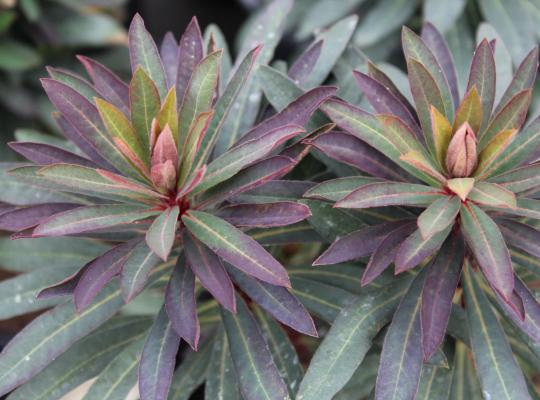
(453, 187)
(146, 175)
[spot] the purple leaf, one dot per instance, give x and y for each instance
(181, 305)
(235, 247)
(488, 247)
(519, 235)
(90, 218)
(161, 234)
(383, 79)
(45, 154)
(350, 150)
(98, 273)
(529, 321)
(276, 300)
(401, 356)
(190, 53)
(437, 44)
(20, 219)
(83, 143)
(247, 179)
(210, 271)
(297, 113)
(136, 269)
(169, 56)
(63, 288)
(357, 244)
(258, 376)
(107, 83)
(385, 252)
(264, 215)
(85, 117)
(383, 101)
(143, 51)
(482, 75)
(523, 78)
(304, 64)
(416, 248)
(439, 288)
(388, 194)
(158, 359)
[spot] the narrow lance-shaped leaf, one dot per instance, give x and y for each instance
(258, 376)
(232, 161)
(120, 127)
(439, 289)
(442, 133)
(84, 360)
(348, 340)
(511, 116)
(191, 373)
(283, 351)
(98, 273)
(85, 118)
(143, 52)
(482, 76)
(438, 215)
(389, 193)
(523, 78)
(158, 359)
(264, 215)
(91, 218)
(304, 64)
(210, 271)
(470, 110)
(168, 114)
(221, 382)
(500, 376)
(348, 149)
(488, 246)
(136, 269)
(426, 94)
(492, 151)
(44, 154)
(107, 83)
(224, 105)
(386, 252)
(27, 217)
(357, 244)
(119, 377)
(161, 234)
(190, 53)
(384, 101)
(401, 357)
(416, 248)
(297, 112)
(180, 303)
(144, 106)
(168, 51)
(415, 49)
(199, 94)
(276, 300)
(251, 177)
(235, 247)
(491, 194)
(437, 44)
(49, 335)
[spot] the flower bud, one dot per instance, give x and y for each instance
(461, 157)
(164, 161)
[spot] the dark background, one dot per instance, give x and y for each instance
(161, 16)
